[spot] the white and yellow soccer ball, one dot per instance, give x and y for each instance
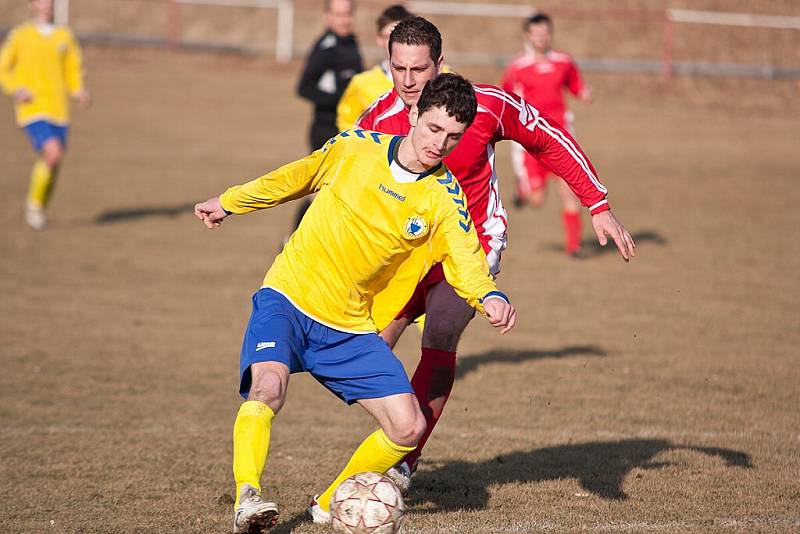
(367, 503)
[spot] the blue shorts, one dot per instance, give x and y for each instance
(351, 366)
(41, 131)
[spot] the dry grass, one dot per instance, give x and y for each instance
(660, 395)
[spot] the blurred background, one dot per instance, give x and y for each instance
(122, 321)
(727, 37)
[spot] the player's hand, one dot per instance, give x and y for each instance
(210, 212)
(23, 95)
(84, 98)
(605, 224)
(500, 314)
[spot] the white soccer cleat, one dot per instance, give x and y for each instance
(254, 515)
(316, 513)
(35, 217)
(400, 474)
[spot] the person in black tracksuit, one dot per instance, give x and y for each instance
(333, 60)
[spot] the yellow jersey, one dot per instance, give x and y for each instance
(47, 62)
(369, 217)
(362, 91)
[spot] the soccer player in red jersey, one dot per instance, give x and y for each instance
(415, 56)
(540, 75)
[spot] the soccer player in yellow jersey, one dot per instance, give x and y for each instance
(40, 66)
(380, 197)
(365, 87)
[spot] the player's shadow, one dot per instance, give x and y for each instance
(590, 248)
(469, 364)
(289, 526)
(600, 468)
(128, 214)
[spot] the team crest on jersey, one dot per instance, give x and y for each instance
(415, 227)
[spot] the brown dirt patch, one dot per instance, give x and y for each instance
(659, 395)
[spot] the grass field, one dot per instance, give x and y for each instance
(660, 395)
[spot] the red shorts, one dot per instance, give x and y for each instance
(531, 173)
(536, 173)
(416, 304)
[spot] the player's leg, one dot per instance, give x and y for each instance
(271, 343)
(251, 436)
(536, 173)
(523, 189)
(447, 317)
(571, 217)
(49, 142)
(401, 425)
(251, 431)
(371, 375)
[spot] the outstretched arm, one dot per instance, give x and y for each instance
(546, 140)
(293, 180)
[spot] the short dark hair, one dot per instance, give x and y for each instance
(453, 93)
(391, 14)
(538, 18)
(420, 32)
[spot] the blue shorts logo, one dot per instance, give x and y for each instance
(415, 227)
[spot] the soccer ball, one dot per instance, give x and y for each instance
(367, 503)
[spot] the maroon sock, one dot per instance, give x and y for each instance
(572, 231)
(432, 383)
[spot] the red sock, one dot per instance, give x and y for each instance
(432, 383)
(572, 230)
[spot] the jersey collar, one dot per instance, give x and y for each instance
(399, 172)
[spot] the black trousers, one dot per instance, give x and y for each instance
(320, 132)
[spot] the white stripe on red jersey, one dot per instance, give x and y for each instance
(501, 116)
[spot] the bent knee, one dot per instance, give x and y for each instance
(408, 433)
(444, 332)
(52, 154)
(269, 389)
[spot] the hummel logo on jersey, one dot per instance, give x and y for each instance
(265, 345)
(391, 193)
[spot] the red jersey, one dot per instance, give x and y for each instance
(542, 82)
(501, 116)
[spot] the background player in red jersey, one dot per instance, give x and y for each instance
(415, 56)
(540, 75)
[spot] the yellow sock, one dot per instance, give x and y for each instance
(377, 453)
(250, 443)
(41, 184)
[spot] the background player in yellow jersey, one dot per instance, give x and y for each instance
(380, 197)
(365, 87)
(40, 66)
